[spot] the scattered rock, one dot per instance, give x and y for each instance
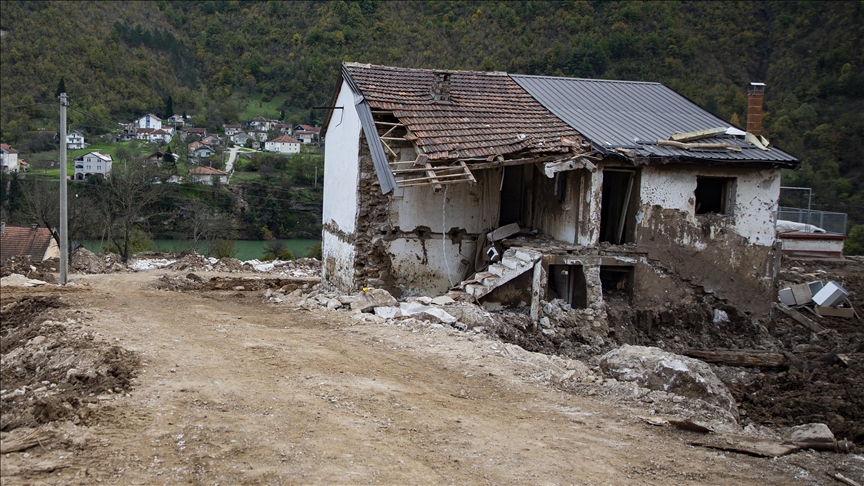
(367, 301)
(656, 369)
(810, 433)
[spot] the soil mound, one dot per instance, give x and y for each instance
(85, 261)
(52, 368)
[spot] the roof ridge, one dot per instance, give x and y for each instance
(399, 68)
(594, 80)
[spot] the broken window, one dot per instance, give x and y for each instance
(617, 219)
(567, 282)
(715, 195)
(617, 282)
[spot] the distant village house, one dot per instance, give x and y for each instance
(91, 164)
(283, 145)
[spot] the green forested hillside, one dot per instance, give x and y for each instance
(121, 59)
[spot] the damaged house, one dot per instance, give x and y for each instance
(510, 188)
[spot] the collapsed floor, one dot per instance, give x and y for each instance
(812, 386)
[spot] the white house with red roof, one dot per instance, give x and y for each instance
(149, 121)
(8, 158)
(283, 145)
(207, 175)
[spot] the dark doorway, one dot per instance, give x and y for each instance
(511, 195)
(615, 207)
(568, 283)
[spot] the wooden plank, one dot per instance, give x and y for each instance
(440, 183)
(393, 138)
(689, 146)
(622, 221)
(799, 318)
(415, 169)
(431, 173)
(436, 177)
(389, 123)
(698, 134)
(529, 160)
(468, 171)
(745, 357)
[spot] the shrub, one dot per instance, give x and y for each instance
(223, 249)
(315, 251)
(276, 250)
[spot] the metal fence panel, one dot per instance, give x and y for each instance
(832, 223)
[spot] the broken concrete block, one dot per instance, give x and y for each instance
(425, 312)
(442, 300)
(388, 312)
(656, 369)
(810, 433)
(333, 304)
(721, 317)
(424, 300)
(366, 301)
(503, 232)
(472, 315)
(831, 295)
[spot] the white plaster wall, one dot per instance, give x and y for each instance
(757, 192)
(473, 208)
(341, 166)
(832, 245)
(337, 261)
(421, 266)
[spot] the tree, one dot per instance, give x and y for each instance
(276, 250)
(200, 223)
(124, 202)
(169, 107)
(41, 205)
(61, 87)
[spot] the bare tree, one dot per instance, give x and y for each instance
(202, 223)
(41, 204)
(124, 201)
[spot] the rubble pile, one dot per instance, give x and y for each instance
(45, 271)
(83, 260)
(73, 368)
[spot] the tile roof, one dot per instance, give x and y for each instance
(6, 148)
(488, 114)
(29, 242)
(633, 115)
(285, 139)
(206, 171)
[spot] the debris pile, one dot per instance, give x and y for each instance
(45, 271)
(74, 369)
(83, 260)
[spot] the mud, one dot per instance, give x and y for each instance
(45, 271)
(52, 367)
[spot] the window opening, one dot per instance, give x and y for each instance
(714, 195)
(615, 207)
(617, 282)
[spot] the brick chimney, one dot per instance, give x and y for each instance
(441, 86)
(754, 108)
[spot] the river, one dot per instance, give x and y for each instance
(246, 249)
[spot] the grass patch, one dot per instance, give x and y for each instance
(255, 106)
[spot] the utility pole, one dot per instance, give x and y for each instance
(64, 210)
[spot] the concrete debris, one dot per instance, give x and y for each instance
(656, 369)
(368, 300)
(18, 280)
(442, 300)
(810, 433)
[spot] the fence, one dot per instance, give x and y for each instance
(832, 223)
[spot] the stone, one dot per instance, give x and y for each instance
(810, 433)
(388, 312)
(424, 300)
(367, 301)
(470, 314)
(656, 369)
(333, 304)
(425, 312)
(721, 317)
(442, 300)
(36, 341)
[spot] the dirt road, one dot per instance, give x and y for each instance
(235, 391)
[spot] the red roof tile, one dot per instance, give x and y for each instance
(487, 114)
(29, 242)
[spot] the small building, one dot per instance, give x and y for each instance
(35, 243)
(193, 134)
(232, 129)
(240, 138)
(207, 175)
(160, 136)
(75, 140)
(176, 120)
(307, 134)
(200, 149)
(8, 159)
(148, 121)
(261, 123)
(259, 135)
(92, 163)
(283, 145)
(552, 187)
(213, 140)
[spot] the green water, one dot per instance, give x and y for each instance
(246, 249)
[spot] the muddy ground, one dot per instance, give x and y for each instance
(169, 376)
